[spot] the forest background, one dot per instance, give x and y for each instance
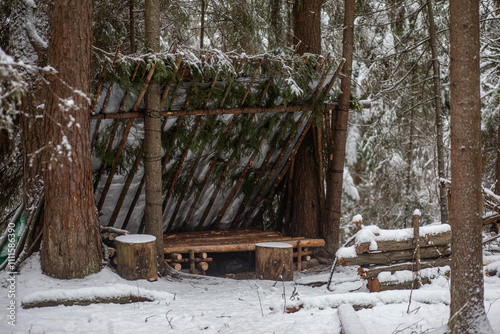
(392, 148)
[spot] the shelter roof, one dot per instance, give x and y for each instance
(231, 125)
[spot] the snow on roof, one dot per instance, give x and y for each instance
(198, 192)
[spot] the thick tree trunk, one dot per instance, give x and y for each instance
(336, 155)
(71, 239)
(443, 199)
(307, 25)
(306, 215)
(467, 313)
(153, 214)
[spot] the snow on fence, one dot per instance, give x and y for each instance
(396, 259)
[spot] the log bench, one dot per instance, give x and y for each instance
(388, 258)
(201, 243)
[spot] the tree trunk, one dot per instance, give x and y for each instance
(131, 29)
(306, 215)
(336, 146)
(202, 24)
(307, 25)
(409, 168)
(467, 313)
(497, 169)
(276, 33)
(443, 199)
(71, 239)
(153, 214)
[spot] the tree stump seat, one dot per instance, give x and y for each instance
(136, 255)
(274, 261)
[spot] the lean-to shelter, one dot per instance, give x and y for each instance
(231, 125)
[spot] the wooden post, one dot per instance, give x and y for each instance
(274, 261)
(191, 261)
(136, 256)
(299, 256)
(416, 244)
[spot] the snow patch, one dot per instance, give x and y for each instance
(136, 238)
(92, 293)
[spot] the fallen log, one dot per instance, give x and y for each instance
(374, 285)
(349, 320)
(387, 258)
(403, 280)
(371, 272)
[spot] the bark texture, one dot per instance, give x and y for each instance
(153, 214)
(336, 148)
(71, 240)
(307, 25)
(443, 198)
(467, 313)
(306, 214)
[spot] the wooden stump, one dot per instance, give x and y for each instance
(136, 257)
(274, 259)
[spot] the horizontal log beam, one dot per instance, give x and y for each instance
(185, 260)
(387, 258)
(223, 237)
(243, 247)
(393, 245)
(226, 241)
(215, 111)
(374, 271)
(210, 233)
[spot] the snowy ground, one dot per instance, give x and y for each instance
(217, 305)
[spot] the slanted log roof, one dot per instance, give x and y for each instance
(231, 127)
